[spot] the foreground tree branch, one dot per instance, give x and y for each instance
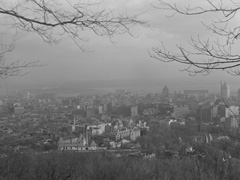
(13, 68)
(211, 54)
(51, 19)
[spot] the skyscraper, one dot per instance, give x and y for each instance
(165, 91)
(225, 91)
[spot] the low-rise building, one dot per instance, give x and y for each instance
(134, 134)
(131, 134)
(76, 144)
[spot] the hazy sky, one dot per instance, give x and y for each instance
(126, 58)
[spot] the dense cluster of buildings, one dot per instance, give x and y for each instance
(110, 120)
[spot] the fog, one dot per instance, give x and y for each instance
(123, 61)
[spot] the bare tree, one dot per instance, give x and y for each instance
(12, 68)
(203, 56)
(52, 19)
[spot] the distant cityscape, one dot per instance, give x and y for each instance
(43, 121)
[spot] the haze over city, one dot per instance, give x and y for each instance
(113, 61)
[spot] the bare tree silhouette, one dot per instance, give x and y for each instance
(52, 19)
(211, 54)
(12, 67)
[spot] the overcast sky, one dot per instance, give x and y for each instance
(126, 58)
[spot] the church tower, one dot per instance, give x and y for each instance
(225, 91)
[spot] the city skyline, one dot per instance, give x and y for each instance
(75, 88)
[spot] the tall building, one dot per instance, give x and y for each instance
(165, 95)
(100, 109)
(225, 91)
(165, 91)
(134, 111)
(90, 112)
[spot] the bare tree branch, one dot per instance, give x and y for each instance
(206, 55)
(51, 19)
(12, 68)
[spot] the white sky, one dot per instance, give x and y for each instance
(126, 58)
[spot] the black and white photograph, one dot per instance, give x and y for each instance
(119, 90)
